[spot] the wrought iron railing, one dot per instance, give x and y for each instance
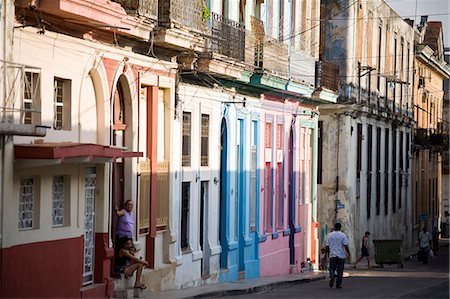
(327, 75)
(192, 14)
(147, 8)
(227, 37)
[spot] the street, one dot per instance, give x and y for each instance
(415, 280)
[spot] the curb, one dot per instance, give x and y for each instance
(257, 289)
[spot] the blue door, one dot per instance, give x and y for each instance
(223, 194)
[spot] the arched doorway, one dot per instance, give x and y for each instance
(121, 136)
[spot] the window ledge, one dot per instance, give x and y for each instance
(262, 238)
(274, 235)
(286, 232)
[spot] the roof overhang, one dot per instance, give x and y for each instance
(45, 154)
(426, 55)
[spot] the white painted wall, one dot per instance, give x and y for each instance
(354, 216)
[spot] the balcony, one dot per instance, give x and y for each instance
(421, 139)
(182, 25)
(98, 19)
(21, 109)
(227, 37)
(430, 139)
(145, 8)
(327, 75)
(188, 13)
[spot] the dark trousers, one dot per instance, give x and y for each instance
(425, 254)
(337, 265)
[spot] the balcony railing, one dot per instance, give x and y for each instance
(146, 8)
(188, 13)
(421, 138)
(327, 75)
(227, 37)
(271, 55)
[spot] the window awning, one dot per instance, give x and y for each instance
(40, 154)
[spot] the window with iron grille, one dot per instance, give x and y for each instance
(26, 204)
(62, 112)
(58, 201)
(268, 135)
(205, 140)
(185, 196)
(186, 146)
(279, 136)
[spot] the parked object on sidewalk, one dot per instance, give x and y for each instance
(388, 252)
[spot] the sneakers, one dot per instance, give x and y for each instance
(331, 283)
(338, 287)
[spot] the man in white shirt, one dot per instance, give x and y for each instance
(337, 248)
(425, 239)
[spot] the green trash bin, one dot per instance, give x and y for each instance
(389, 252)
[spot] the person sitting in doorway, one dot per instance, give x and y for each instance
(127, 263)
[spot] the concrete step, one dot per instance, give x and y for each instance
(241, 275)
(124, 288)
(129, 293)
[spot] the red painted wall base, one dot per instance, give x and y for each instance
(46, 269)
(54, 269)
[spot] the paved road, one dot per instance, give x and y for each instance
(415, 280)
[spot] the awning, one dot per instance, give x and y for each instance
(40, 154)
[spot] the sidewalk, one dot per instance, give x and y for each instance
(257, 285)
(246, 286)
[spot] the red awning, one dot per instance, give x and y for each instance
(71, 151)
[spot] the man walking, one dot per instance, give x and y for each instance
(337, 242)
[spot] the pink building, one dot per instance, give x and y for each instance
(288, 186)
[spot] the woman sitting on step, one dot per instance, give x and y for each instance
(127, 263)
